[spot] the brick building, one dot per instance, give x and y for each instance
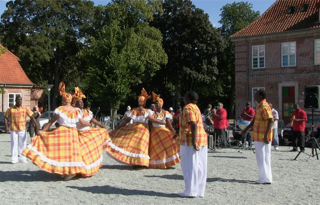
(279, 52)
(14, 81)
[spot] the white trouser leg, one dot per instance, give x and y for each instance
(14, 146)
(194, 169)
(202, 171)
(263, 157)
(268, 162)
(22, 143)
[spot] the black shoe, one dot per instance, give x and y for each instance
(302, 150)
(293, 150)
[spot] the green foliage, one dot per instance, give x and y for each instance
(125, 52)
(111, 51)
(47, 35)
(234, 17)
(2, 91)
(3, 50)
(191, 43)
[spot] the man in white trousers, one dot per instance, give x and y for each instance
(262, 136)
(18, 115)
(193, 148)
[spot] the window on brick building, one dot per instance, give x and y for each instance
(317, 52)
(258, 56)
(12, 98)
(254, 91)
(288, 54)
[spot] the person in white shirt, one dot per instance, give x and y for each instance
(275, 141)
(127, 113)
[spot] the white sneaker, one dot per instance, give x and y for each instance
(14, 161)
(276, 148)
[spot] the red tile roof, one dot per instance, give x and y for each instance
(11, 70)
(276, 19)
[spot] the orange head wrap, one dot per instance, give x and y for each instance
(143, 97)
(78, 95)
(156, 98)
(63, 93)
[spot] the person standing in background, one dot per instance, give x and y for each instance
(208, 114)
(248, 115)
(275, 128)
(32, 127)
(171, 111)
(219, 123)
(299, 118)
(176, 119)
(127, 113)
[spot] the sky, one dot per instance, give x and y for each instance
(211, 7)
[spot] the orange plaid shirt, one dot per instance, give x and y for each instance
(263, 113)
(18, 117)
(191, 113)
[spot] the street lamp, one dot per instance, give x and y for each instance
(173, 94)
(49, 86)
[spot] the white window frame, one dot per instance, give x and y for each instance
(14, 98)
(288, 44)
(253, 92)
(316, 51)
(258, 56)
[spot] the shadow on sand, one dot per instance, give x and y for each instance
(123, 191)
(230, 180)
(173, 176)
(5, 163)
(28, 176)
(231, 157)
(119, 167)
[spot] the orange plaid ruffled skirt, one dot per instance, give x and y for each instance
(163, 152)
(92, 142)
(56, 151)
(130, 144)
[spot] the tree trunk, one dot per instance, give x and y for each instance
(56, 89)
(113, 115)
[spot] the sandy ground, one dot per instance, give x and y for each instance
(231, 180)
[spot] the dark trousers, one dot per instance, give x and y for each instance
(298, 136)
(247, 137)
(32, 131)
(220, 136)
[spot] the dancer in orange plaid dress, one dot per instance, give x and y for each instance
(58, 151)
(92, 140)
(163, 151)
(130, 143)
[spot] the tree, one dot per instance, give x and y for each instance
(47, 36)
(234, 17)
(125, 52)
(191, 43)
